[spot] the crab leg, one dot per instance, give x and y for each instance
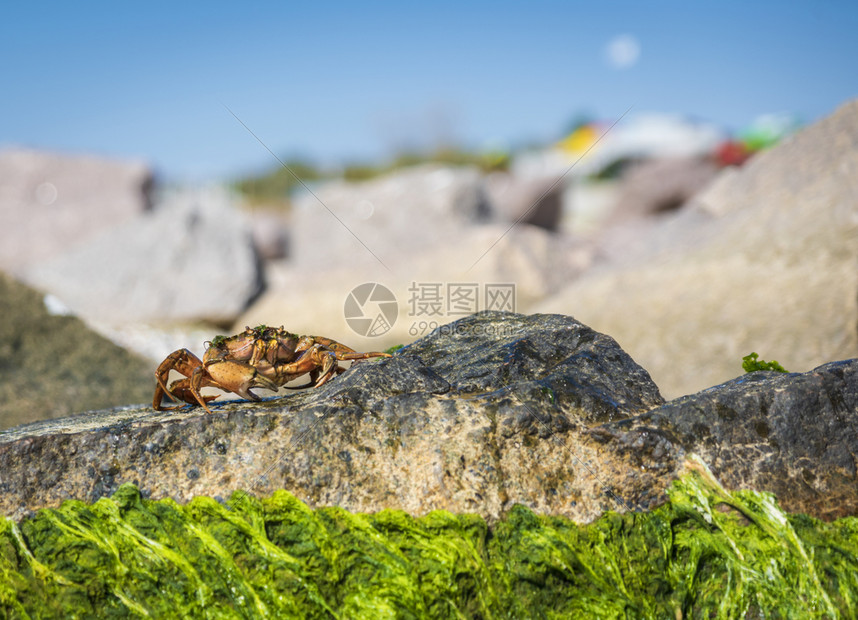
(229, 376)
(182, 361)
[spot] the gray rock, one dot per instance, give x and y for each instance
(794, 435)
(492, 410)
(53, 365)
(659, 186)
(404, 212)
(270, 230)
(535, 200)
(190, 259)
(762, 260)
(473, 418)
(534, 261)
(51, 202)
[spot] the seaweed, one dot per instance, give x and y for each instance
(706, 553)
(752, 363)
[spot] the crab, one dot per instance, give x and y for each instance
(266, 357)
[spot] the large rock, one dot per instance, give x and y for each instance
(794, 435)
(527, 200)
(474, 418)
(659, 186)
(191, 259)
(493, 410)
(764, 260)
(50, 202)
(53, 366)
(404, 212)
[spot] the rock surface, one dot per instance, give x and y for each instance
(471, 419)
(53, 366)
(50, 203)
(794, 435)
(764, 260)
(190, 259)
(492, 410)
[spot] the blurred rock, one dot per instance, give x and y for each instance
(191, 259)
(51, 203)
(428, 285)
(659, 186)
(536, 201)
(406, 211)
(763, 260)
(270, 229)
(53, 366)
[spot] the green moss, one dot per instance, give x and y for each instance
(394, 348)
(751, 363)
(707, 553)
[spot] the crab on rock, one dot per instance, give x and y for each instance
(265, 357)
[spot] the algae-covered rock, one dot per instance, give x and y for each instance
(707, 553)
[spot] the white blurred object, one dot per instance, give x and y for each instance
(55, 306)
(623, 51)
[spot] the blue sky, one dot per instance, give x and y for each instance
(337, 82)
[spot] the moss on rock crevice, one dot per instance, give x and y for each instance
(706, 553)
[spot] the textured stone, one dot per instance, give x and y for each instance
(492, 410)
(763, 260)
(473, 418)
(794, 435)
(51, 202)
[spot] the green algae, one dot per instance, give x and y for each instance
(752, 363)
(707, 553)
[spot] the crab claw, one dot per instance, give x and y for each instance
(238, 377)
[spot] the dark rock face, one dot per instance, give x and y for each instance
(489, 411)
(793, 435)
